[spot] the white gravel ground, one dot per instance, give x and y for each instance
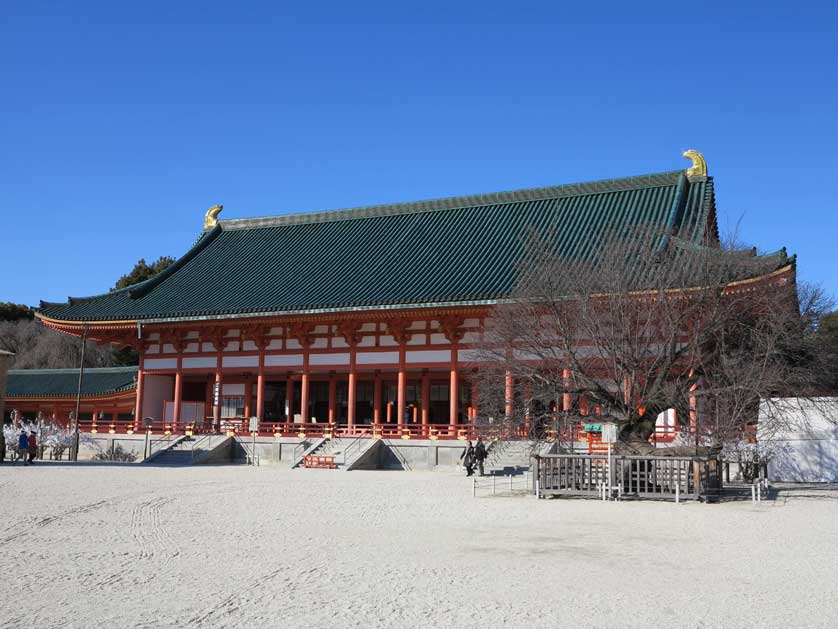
(131, 546)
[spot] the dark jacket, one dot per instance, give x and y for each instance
(480, 451)
(468, 456)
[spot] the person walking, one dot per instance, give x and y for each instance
(22, 446)
(480, 455)
(467, 457)
(33, 447)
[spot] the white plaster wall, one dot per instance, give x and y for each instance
(156, 389)
(240, 361)
(284, 360)
(197, 362)
(328, 359)
(377, 358)
(367, 341)
(429, 356)
(160, 363)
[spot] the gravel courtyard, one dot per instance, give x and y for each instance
(131, 546)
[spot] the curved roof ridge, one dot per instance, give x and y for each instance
(119, 369)
(458, 202)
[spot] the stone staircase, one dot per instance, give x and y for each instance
(509, 457)
(193, 451)
(346, 450)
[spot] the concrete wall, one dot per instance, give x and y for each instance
(397, 454)
(221, 454)
(271, 451)
(91, 444)
(156, 389)
(388, 455)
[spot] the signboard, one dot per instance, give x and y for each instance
(254, 424)
(216, 390)
(592, 427)
(609, 433)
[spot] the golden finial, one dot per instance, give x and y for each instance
(699, 167)
(211, 219)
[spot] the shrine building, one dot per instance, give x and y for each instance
(355, 320)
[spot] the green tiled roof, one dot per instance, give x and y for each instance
(64, 382)
(462, 250)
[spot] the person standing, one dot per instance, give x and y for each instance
(467, 457)
(480, 455)
(32, 442)
(22, 446)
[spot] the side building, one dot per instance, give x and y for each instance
(107, 398)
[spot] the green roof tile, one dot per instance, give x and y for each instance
(448, 251)
(64, 382)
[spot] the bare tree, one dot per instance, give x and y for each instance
(649, 322)
(38, 347)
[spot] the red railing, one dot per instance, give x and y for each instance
(241, 426)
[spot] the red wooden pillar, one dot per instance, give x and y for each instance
(260, 392)
(426, 398)
(304, 390)
(138, 408)
(350, 396)
(376, 403)
(248, 396)
(453, 395)
(509, 394)
(566, 394)
(178, 396)
(402, 388)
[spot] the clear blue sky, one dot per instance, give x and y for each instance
(121, 123)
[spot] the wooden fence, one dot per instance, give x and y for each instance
(629, 476)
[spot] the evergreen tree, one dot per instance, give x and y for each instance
(143, 271)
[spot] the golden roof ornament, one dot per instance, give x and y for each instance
(211, 219)
(699, 167)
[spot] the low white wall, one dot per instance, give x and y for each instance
(805, 433)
